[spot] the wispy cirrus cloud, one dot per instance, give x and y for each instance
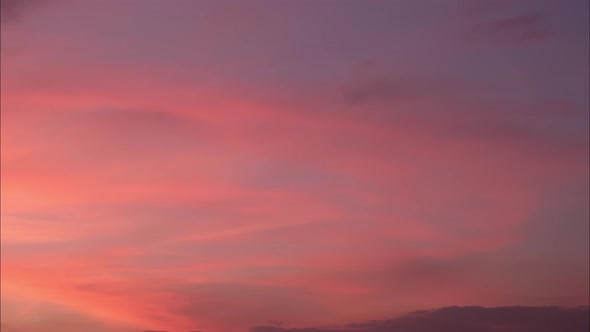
(190, 173)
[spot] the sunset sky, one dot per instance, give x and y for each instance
(219, 165)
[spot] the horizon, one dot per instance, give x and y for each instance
(292, 165)
(577, 324)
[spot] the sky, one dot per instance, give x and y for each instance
(225, 165)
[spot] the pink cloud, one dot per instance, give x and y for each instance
(140, 196)
(359, 195)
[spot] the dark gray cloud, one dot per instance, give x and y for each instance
(373, 82)
(375, 93)
(469, 319)
(520, 29)
(13, 10)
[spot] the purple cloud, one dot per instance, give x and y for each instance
(505, 319)
(521, 29)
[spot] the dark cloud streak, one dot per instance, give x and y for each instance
(453, 319)
(521, 29)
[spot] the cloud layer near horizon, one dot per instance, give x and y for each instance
(452, 319)
(217, 165)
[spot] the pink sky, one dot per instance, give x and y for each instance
(218, 165)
